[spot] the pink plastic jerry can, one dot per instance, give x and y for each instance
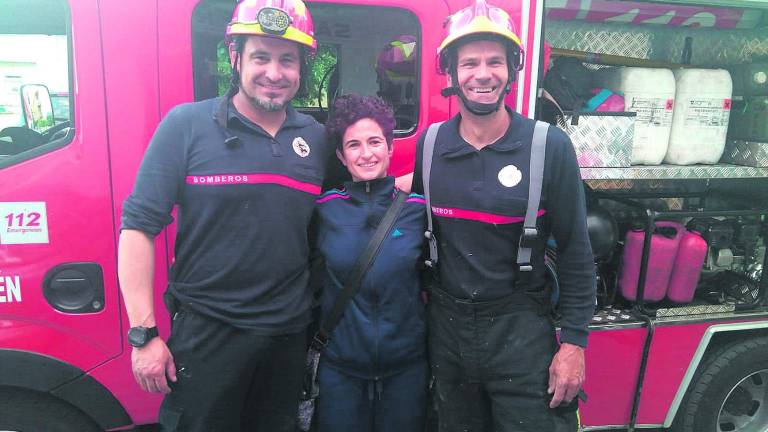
(664, 245)
(687, 268)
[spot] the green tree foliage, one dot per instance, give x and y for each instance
(319, 66)
(223, 71)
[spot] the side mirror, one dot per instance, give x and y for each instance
(37, 107)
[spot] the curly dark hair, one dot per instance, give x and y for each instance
(349, 109)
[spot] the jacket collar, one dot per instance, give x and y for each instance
(293, 118)
(372, 190)
(457, 147)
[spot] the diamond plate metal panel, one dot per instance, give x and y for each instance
(614, 39)
(611, 315)
(673, 172)
(718, 48)
(600, 140)
(694, 310)
(711, 47)
(747, 153)
(610, 184)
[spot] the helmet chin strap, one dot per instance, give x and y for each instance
(477, 108)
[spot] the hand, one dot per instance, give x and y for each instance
(151, 364)
(566, 374)
(404, 182)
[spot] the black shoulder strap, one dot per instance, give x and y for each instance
(361, 266)
(426, 168)
(529, 232)
(535, 181)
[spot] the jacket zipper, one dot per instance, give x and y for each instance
(375, 296)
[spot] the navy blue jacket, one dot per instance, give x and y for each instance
(383, 328)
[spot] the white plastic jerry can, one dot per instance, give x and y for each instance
(700, 122)
(650, 93)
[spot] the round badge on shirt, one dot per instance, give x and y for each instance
(300, 147)
(510, 176)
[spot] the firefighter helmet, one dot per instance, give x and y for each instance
(284, 19)
(482, 21)
(480, 18)
(397, 62)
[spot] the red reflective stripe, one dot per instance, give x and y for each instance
(479, 216)
(234, 179)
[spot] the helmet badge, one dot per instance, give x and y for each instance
(273, 21)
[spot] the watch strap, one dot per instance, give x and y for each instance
(149, 332)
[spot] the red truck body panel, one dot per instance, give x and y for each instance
(132, 62)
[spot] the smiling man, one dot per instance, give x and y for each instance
(243, 170)
(493, 352)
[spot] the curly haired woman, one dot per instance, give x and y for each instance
(373, 374)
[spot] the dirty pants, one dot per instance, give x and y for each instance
(396, 403)
(491, 363)
(230, 379)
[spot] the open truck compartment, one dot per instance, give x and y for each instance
(680, 247)
(722, 202)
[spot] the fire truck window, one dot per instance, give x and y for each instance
(367, 50)
(321, 80)
(35, 93)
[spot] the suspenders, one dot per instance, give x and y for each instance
(529, 232)
(426, 169)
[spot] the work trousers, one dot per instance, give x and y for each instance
(491, 363)
(231, 379)
(396, 403)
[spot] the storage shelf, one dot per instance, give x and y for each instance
(674, 172)
(759, 4)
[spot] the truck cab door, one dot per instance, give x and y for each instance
(58, 284)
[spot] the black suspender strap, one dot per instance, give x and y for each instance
(426, 168)
(529, 232)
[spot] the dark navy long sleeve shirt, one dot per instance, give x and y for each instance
(479, 199)
(241, 253)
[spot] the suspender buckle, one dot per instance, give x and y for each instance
(319, 342)
(429, 263)
(428, 235)
(528, 237)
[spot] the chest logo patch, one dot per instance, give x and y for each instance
(510, 176)
(300, 147)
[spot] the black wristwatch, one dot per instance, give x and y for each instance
(140, 336)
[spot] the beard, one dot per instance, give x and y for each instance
(267, 105)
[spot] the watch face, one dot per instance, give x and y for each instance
(137, 336)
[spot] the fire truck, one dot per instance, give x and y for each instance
(84, 83)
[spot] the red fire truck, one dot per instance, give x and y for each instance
(83, 84)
